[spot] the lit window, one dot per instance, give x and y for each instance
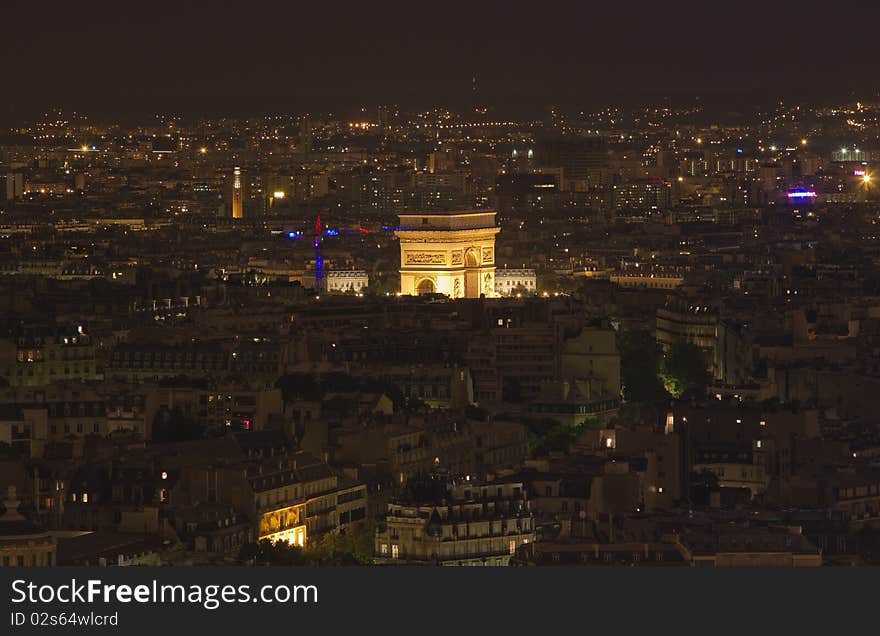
(85, 497)
(512, 546)
(395, 551)
(384, 549)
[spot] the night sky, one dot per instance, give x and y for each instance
(257, 55)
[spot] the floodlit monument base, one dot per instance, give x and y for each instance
(451, 253)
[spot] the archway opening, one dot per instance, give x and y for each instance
(426, 286)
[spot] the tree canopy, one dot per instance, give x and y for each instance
(640, 362)
(683, 367)
(352, 546)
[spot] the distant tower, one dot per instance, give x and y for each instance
(306, 139)
(556, 120)
(237, 194)
(384, 121)
(14, 186)
(479, 108)
(319, 258)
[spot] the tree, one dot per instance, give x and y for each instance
(296, 385)
(278, 553)
(313, 387)
(640, 361)
(683, 367)
(175, 426)
(383, 284)
(630, 413)
(352, 546)
(869, 544)
(549, 436)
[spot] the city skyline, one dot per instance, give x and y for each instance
(190, 59)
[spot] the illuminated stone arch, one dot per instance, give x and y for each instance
(447, 246)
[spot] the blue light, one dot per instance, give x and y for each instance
(801, 194)
(739, 151)
(331, 232)
(294, 234)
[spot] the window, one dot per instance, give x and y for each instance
(85, 497)
(383, 549)
(395, 551)
(512, 546)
